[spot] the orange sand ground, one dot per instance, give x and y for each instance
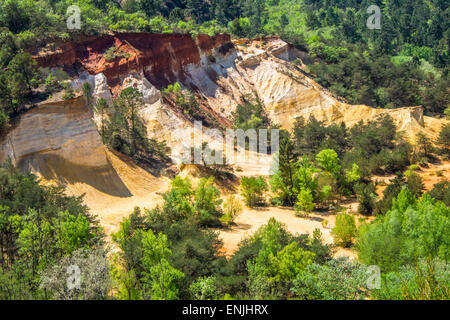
(251, 219)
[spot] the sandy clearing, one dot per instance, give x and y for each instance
(251, 220)
(145, 191)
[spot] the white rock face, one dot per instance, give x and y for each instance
(77, 83)
(98, 83)
(249, 60)
(284, 51)
(101, 89)
(279, 49)
(149, 93)
(60, 129)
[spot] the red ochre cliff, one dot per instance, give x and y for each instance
(161, 57)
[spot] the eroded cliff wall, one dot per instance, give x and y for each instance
(161, 57)
(60, 143)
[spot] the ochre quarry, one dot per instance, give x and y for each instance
(59, 141)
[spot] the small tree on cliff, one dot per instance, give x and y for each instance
(128, 104)
(22, 65)
(22, 76)
(88, 94)
(100, 107)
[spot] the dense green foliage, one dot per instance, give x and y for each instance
(338, 279)
(412, 229)
(265, 264)
(18, 77)
(372, 145)
(428, 280)
(39, 228)
(404, 63)
(321, 161)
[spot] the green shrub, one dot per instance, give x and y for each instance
(232, 207)
(344, 231)
(68, 91)
(415, 184)
(365, 193)
(305, 201)
(253, 189)
(447, 113)
(51, 84)
(391, 192)
(207, 202)
(205, 288)
(113, 53)
(424, 147)
(441, 192)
